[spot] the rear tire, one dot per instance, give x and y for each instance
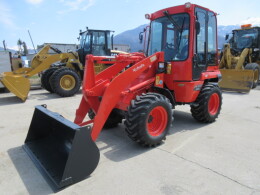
(45, 78)
(148, 119)
(112, 121)
(65, 82)
(255, 67)
(207, 106)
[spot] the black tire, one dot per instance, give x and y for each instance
(91, 114)
(144, 128)
(65, 82)
(113, 120)
(255, 67)
(45, 78)
(207, 106)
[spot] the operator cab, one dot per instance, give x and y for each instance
(245, 38)
(96, 42)
(188, 36)
(170, 34)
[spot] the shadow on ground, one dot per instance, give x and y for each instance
(29, 174)
(183, 121)
(10, 98)
(117, 146)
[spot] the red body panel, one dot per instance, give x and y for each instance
(186, 92)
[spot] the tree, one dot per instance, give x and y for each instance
(19, 44)
(25, 50)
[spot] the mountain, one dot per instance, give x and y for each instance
(222, 31)
(30, 51)
(131, 37)
(11, 50)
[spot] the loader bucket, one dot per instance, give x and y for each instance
(63, 151)
(236, 80)
(19, 85)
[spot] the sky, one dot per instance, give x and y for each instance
(59, 21)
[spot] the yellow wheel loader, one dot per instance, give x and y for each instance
(63, 72)
(18, 82)
(239, 64)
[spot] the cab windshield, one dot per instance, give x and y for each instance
(245, 38)
(85, 41)
(170, 34)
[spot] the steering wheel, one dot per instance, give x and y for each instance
(169, 46)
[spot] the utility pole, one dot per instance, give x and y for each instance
(32, 41)
(4, 45)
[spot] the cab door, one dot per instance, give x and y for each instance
(205, 42)
(99, 46)
(199, 59)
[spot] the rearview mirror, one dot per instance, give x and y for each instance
(141, 37)
(227, 35)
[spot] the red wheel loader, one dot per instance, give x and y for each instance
(179, 67)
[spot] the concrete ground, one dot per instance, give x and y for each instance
(218, 158)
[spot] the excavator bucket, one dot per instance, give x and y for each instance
(63, 151)
(17, 84)
(236, 80)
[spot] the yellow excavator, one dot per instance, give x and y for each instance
(62, 72)
(239, 64)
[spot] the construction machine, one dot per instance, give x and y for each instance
(18, 81)
(65, 79)
(239, 64)
(63, 72)
(180, 67)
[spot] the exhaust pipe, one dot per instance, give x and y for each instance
(62, 151)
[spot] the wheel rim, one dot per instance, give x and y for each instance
(67, 82)
(157, 121)
(213, 104)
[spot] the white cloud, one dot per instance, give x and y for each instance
(34, 1)
(252, 20)
(76, 5)
(6, 16)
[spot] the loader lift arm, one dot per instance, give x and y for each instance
(111, 86)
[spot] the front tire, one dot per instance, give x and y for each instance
(148, 119)
(65, 82)
(207, 106)
(256, 69)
